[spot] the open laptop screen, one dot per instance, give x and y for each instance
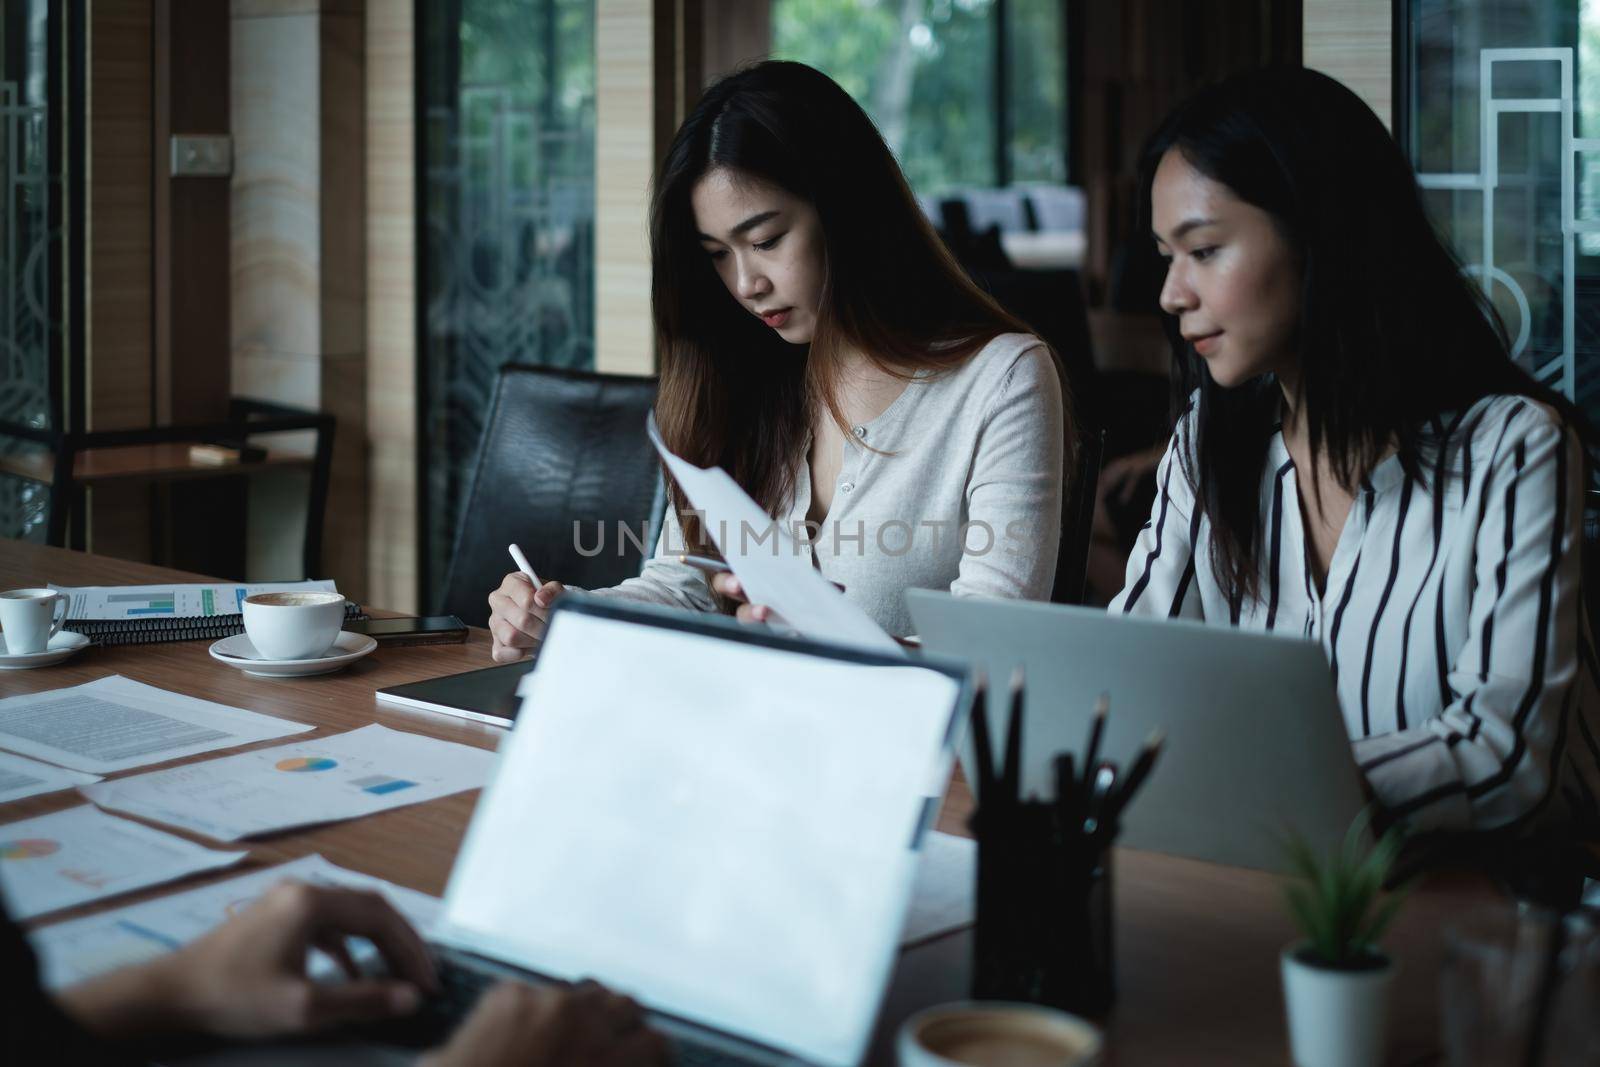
(721, 828)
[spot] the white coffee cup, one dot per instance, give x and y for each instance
(293, 625)
(31, 617)
(985, 1033)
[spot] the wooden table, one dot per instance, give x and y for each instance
(167, 462)
(1196, 943)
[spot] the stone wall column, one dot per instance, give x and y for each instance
(298, 258)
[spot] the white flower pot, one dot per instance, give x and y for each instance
(1336, 1018)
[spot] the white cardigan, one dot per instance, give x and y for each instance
(978, 448)
(1452, 615)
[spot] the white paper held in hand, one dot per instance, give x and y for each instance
(770, 566)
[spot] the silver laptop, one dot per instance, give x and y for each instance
(722, 823)
(1255, 739)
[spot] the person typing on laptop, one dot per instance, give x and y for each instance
(247, 980)
(1359, 460)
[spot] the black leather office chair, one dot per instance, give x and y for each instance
(1591, 559)
(1051, 303)
(563, 468)
(1077, 520)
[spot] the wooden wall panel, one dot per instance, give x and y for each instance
(737, 33)
(391, 306)
(342, 290)
(625, 121)
(191, 218)
(1353, 40)
(203, 526)
(118, 333)
(117, 231)
(1140, 59)
(343, 184)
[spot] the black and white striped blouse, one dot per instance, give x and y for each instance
(1451, 617)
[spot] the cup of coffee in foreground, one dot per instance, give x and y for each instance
(991, 1033)
(30, 618)
(293, 625)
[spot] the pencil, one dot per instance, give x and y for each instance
(1097, 728)
(1011, 778)
(980, 742)
(1066, 792)
(1141, 767)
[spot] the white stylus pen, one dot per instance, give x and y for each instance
(523, 566)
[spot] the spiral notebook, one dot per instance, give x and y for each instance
(150, 614)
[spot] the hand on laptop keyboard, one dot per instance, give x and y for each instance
(516, 1025)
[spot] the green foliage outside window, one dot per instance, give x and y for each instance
(925, 71)
(1038, 78)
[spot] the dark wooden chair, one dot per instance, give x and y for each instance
(71, 462)
(1077, 520)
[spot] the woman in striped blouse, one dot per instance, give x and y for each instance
(1358, 460)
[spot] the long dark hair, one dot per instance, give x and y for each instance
(733, 393)
(1391, 334)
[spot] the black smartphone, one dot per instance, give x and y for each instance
(429, 630)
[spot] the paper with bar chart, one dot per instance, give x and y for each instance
(80, 949)
(116, 724)
(172, 601)
(21, 777)
(72, 857)
(327, 779)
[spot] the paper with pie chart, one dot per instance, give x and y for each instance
(344, 776)
(80, 949)
(72, 857)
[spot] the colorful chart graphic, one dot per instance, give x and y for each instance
(28, 848)
(300, 764)
(145, 603)
(379, 784)
(95, 880)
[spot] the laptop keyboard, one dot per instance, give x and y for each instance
(460, 988)
(690, 1055)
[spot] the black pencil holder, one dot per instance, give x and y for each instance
(1044, 922)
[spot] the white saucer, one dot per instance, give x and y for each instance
(60, 647)
(237, 651)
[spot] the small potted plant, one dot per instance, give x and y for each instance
(1336, 981)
